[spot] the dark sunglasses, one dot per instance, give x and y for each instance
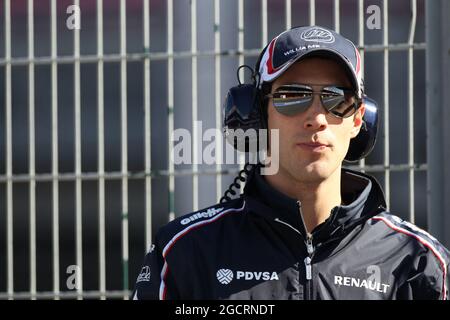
(291, 99)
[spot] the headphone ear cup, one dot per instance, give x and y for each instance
(242, 116)
(364, 142)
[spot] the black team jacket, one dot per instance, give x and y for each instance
(257, 247)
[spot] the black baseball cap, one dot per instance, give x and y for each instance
(301, 42)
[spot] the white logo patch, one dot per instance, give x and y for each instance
(211, 212)
(225, 276)
(144, 275)
(373, 282)
(317, 35)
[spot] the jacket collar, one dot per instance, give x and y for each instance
(362, 194)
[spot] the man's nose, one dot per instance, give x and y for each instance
(315, 117)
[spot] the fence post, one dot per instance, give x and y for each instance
(437, 25)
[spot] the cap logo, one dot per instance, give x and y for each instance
(317, 35)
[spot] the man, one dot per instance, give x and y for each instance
(313, 230)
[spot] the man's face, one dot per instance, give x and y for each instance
(313, 143)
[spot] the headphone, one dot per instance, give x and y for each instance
(243, 109)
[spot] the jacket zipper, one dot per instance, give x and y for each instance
(308, 240)
(308, 260)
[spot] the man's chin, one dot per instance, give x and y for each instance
(317, 171)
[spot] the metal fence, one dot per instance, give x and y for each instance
(236, 32)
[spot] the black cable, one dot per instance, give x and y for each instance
(253, 74)
(241, 177)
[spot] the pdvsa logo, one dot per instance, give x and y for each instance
(318, 35)
(225, 276)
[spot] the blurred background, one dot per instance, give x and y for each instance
(85, 174)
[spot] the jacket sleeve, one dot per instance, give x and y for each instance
(429, 279)
(154, 281)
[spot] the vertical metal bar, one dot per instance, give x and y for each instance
(147, 124)
(170, 107)
(217, 60)
(312, 12)
(437, 27)
(241, 36)
(55, 167)
(78, 195)
(361, 26)
(9, 163)
(336, 18)
(31, 150)
(253, 157)
(387, 176)
(101, 153)
(412, 30)
(124, 142)
(288, 14)
(194, 104)
(241, 62)
(264, 22)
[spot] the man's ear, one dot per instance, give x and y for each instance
(357, 121)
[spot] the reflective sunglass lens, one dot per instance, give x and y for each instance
(293, 99)
(291, 107)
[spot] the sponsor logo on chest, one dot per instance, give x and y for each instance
(360, 283)
(373, 282)
(225, 276)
